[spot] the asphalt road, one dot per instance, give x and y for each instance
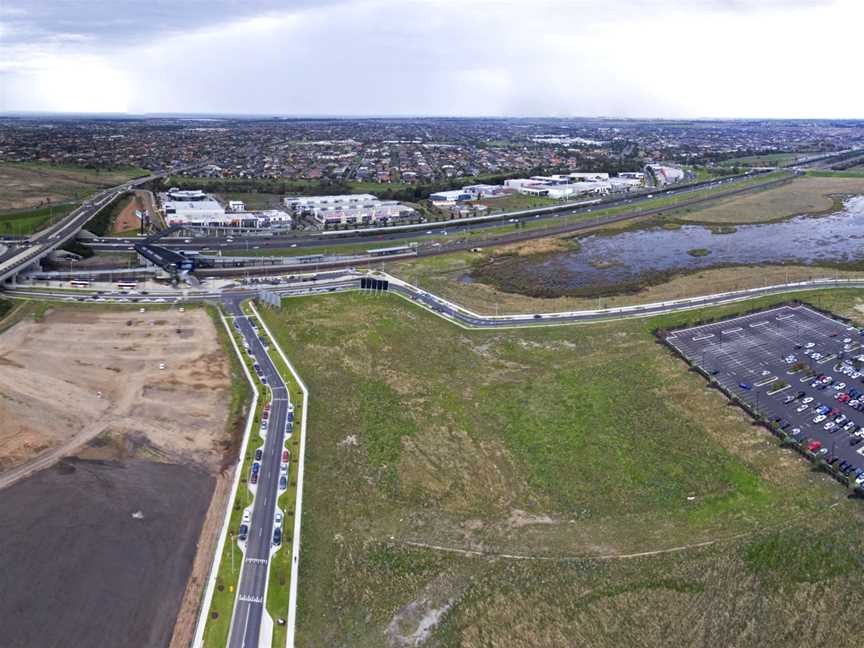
(750, 350)
(454, 229)
(252, 590)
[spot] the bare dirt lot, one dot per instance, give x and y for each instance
(127, 219)
(80, 570)
(54, 370)
(86, 382)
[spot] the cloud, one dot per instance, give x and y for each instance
(445, 57)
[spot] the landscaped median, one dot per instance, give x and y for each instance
(280, 584)
(220, 595)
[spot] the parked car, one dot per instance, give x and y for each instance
(242, 532)
(813, 446)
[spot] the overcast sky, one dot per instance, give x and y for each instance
(636, 58)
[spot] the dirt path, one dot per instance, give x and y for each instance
(620, 556)
(187, 618)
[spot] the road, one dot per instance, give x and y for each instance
(25, 252)
(375, 236)
(252, 590)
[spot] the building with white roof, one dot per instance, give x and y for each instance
(353, 209)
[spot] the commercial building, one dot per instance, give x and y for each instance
(663, 175)
(192, 208)
(453, 196)
(349, 209)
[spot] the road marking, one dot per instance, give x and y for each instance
(246, 626)
(703, 337)
(759, 324)
(258, 561)
(250, 599)
(732, 330)
(785, 317)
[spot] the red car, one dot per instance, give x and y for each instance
(284, 456)
(813, 446)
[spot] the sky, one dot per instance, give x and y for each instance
(555, 58)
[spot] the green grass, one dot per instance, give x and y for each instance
(28, 221)
(769, 159)
(597, 425)
(222, 604)
(836, 174)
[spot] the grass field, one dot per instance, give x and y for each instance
(445, 276)
(803, 195)
(569, 447)
(27, 221)
(769, 159)
(28, 185)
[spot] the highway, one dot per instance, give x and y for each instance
(250, 603)
(24, 252)
(376, 236)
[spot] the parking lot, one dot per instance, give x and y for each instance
(798, 368)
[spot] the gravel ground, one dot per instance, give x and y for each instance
(79, 570)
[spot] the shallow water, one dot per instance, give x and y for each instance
(625, 257)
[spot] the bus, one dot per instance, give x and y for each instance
(77, 283)
(127, 285)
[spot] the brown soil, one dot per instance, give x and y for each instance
(127, 220)
(52, 373)
(55, 369)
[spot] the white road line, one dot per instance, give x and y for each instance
(759, 324)
(732, 330)
(703, 337)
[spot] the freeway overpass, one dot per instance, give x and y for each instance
(22, 254)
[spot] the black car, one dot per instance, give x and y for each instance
(258, 454)
(283, 482)
(242, 532)
(277, 536)
(854, 441)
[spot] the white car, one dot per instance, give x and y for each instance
(277, 520)
(819, 419)
(839, 386)
(161, 365)
(830, 425)
(802, 408)
(809, 399)
(809, 345)
(247, 517)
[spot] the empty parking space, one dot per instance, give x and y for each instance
(796, 367)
